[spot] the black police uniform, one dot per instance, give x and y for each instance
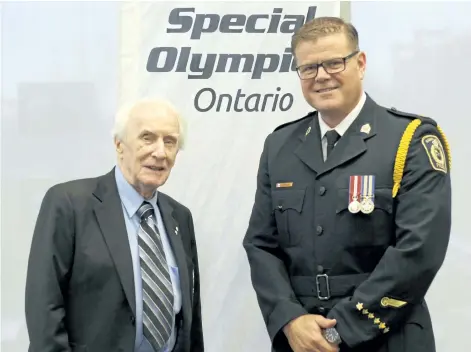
(309, 254)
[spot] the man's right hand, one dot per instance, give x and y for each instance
(305, 334)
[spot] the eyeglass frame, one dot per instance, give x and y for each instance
(344, 59)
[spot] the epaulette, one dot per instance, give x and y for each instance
(411, 116)
(294, 121)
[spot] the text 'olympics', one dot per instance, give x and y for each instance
(256, 65)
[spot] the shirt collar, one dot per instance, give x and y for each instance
(343, 126)
(129, 196)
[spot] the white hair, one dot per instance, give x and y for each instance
(124, 113)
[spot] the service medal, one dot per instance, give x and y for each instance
(367, 206)
(354, 205)
(367, 194)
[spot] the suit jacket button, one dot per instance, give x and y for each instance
(321, 310)
(320, 269)
(132, 319)
(319, 230)
(322, 191)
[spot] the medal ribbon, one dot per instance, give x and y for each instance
(367, 187)
(354, 189)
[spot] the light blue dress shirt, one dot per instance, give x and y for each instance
(131, 201)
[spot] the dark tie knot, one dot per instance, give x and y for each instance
(332, 137)
(145, 210)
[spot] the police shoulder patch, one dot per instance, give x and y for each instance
(435, 152)
(294, 121)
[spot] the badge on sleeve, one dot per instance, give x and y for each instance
(435, 152)
(391, 302)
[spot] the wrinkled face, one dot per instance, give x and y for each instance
(331, 93)
(148, 148)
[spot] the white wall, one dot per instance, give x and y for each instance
(59, 92)
(418, 56)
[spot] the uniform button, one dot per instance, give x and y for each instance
(321, 310)
(322, 190)
(319, 230)
(320, 269)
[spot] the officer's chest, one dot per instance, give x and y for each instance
(311, 207)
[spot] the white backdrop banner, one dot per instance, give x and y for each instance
(228, 68)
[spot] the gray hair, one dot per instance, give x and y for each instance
(124, 113)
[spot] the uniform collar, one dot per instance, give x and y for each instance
(343, 126)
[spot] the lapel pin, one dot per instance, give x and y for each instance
(308, 130)
(176, 230)
(366, 128)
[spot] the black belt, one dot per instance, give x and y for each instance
(325, 287)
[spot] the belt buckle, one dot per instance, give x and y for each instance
(318, 284)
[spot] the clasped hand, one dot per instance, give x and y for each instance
(305, 334)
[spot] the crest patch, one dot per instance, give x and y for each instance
(435, 152)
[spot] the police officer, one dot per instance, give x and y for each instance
(352, 211)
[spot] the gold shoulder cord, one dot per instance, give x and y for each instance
(403, 149)
(447, 146)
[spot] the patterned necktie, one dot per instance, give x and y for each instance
(157, 290)
(332, 137)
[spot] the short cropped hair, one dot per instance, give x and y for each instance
(124, 114)
(324, 26)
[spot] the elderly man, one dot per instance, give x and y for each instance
(352, 212)
(113, 263)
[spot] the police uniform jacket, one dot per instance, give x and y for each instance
(309, 254)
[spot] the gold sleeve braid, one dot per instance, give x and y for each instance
(403, 149)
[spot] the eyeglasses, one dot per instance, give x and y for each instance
(330, 66)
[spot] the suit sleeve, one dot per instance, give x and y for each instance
(197, 340)
(407, 269)
(49, 264)
(270, 279)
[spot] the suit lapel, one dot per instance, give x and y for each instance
(310, 149)
(109, 214)
(173, 233)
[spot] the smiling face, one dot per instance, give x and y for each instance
(334, 95)
(148, 147)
